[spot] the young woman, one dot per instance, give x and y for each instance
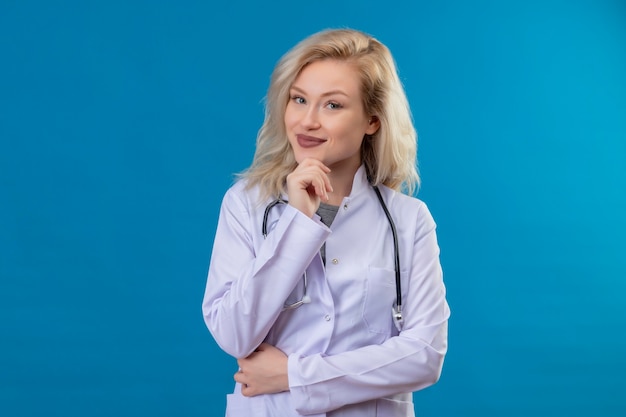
(325, 281)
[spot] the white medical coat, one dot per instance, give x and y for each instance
(345, 356)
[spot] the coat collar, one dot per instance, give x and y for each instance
(360, 184)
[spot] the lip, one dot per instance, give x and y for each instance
(306, 141)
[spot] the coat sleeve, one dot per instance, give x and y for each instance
(408, 362)
(246, 287)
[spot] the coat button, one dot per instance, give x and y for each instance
(335, 261)
(327, 317)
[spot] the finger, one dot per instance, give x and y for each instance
(313, 162)
(327, 184)
(305, 176)
(321, 193)
(325, 180)
(247, 391)
(321, 165)
(320, 188)
(240, 377)
(308, 172)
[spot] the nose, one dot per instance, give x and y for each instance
(310, 119)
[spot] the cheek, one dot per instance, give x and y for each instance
(290, 117)
(349, 131)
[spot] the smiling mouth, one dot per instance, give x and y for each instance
(309, 141)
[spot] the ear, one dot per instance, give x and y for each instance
(373, 124)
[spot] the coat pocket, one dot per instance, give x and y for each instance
(380, 295)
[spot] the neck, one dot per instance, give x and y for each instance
(341, 181)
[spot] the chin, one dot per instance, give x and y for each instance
(300, 156)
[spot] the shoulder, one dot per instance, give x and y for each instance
(238, 194)
(238, 188)
(408, 209)
(241, 194)
(400, 200)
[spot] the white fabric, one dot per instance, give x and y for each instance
(346, 358)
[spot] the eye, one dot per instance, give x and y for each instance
(333, 105)
(298, 99)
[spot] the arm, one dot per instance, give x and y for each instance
(246, 286)
(408, 362)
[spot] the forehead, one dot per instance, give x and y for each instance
(320, 77)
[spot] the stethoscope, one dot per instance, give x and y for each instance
(396, 311)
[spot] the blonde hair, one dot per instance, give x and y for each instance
(389, 155)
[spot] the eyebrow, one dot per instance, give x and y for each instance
(328, 93)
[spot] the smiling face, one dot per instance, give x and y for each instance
(325, 119)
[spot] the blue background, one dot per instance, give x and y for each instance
(122, 122)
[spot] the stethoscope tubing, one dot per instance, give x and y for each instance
(396, 250)
(394, 233)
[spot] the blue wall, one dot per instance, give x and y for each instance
(121, 123)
